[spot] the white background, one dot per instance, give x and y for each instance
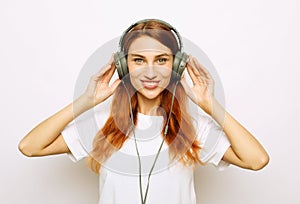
(254, 45)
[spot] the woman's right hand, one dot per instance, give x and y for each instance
(98, 89)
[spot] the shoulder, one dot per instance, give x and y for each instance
(101, 118)
(213, 141)
(202, 124)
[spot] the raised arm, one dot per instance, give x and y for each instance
(45, 138)
(245, 151)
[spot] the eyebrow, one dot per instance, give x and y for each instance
(160, 55)
(136, 55)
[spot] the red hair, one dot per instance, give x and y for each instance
(181, 136)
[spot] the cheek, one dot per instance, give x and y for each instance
(134, 75)
(165, 72)
(135, 70)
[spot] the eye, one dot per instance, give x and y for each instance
(138, 60)
(162, 60)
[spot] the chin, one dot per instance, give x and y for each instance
(150, 94)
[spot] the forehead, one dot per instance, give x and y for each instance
(147, 44)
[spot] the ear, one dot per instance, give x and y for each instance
(179, 63)
(121, 64)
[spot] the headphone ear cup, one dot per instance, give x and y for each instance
(121, 64)
(179, 63)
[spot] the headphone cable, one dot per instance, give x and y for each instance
(143, 199)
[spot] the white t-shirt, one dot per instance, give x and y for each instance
(169, 182)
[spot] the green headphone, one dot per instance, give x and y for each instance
(180, 58)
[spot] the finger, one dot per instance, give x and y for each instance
(194, 68)
(203, 73)
(208, 77)
(197, 69)
(111, 60)
(108, 75)
(196, 76)
(185, 85)
(101, 72)
(105, 68)
(191, 74)
(114, 85)
(187, 88)
(202, 69)
(191, 69)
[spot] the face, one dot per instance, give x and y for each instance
(150, 66)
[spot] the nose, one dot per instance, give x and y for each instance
(150, 73)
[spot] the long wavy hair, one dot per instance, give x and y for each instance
(181, 136)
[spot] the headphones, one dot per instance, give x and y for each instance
(179, 61)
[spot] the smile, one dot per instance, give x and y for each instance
(149, 84)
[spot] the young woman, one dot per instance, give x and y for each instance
(150, 90)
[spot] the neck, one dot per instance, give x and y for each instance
(148, 106)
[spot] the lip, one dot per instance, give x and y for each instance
(150, 84)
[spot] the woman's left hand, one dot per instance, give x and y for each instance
(202, 91)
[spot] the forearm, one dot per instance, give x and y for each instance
(48, 130)
(243, 143)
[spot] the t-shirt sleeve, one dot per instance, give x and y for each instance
(80, 133)
(72, 139)
(213, 141)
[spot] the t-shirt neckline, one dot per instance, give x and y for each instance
(148, 116)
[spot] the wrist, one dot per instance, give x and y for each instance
(82, 104)
(217, 112)
(208, 105)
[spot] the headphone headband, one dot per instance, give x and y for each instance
(147, 20)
